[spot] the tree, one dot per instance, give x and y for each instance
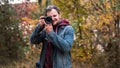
(94, 20)
(10, 37)
(47, 2)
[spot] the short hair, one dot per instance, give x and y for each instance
(50, 7)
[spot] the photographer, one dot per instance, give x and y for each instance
(56, 35)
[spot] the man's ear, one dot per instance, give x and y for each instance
(60, 15)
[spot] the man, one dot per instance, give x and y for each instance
(57, 39)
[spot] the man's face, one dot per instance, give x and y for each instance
(55, 16)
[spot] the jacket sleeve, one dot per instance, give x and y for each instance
(37, 36)
(65, 43)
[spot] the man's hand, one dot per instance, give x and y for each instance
(41, 21)
(48, 27)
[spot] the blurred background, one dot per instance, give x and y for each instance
(96, 24)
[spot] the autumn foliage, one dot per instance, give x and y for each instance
(96, 34)
(96, 24)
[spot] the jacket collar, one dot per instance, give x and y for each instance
(62, 22)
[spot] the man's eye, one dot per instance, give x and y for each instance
(54, 15)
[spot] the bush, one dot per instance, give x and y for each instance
(10, 38)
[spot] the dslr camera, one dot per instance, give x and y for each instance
(48, 19)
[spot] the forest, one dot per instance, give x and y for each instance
(96, 24)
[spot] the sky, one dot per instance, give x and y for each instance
(19, 1)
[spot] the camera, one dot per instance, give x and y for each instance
(48, 19)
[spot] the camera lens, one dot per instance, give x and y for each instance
(48, 19)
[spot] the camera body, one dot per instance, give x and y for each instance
(48, 19)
